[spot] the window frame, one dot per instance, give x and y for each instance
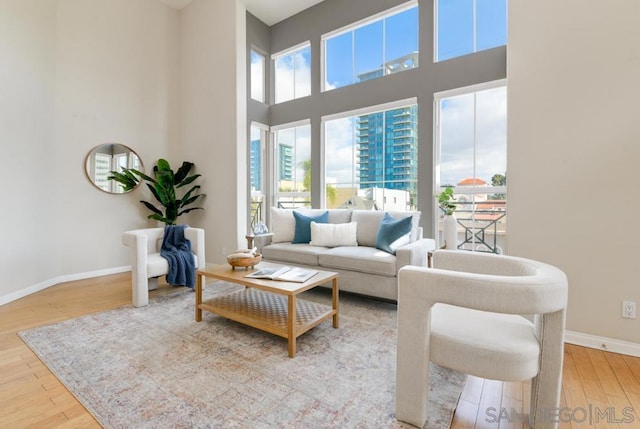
(437, 143)
(475, 31)
(275, 158)
(378, 108)
(352, 28)
(264, 170)
(284, 53)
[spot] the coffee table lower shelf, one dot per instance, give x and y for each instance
(269, 312)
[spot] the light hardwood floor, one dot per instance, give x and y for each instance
(31, 396)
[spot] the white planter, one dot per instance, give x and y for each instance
(450, 232)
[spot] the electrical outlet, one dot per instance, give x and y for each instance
(629, 309)
(224, 251)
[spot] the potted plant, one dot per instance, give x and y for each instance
(449, 222)
(164, 185)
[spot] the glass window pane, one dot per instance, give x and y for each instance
(491, 133)
(371, 159)
(342, 174)
(491, 18)
(368, 59)
(284, 78)
(401, 41)
(256, 175)
(294, 167)
(338, 61)
(473, 160)
(456, 139)
(255, 160)
(257, 76)
(455, 28)
(302, 85)
(293, 75)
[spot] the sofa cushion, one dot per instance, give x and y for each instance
(302, 232)
(368, 223)
(294, 253)
(335, 215)
(282, 225)
(360, 259)
(415, 221)
(393, 233)
(333, 234)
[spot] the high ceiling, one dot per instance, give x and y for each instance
(273, 11)
(268, 11)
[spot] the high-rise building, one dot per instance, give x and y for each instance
(285, 161)
(387, 149)
(387, 141)
(255, 166)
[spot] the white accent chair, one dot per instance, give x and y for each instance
(465, 314)
(146, 262)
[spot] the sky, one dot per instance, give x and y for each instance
(368, 47)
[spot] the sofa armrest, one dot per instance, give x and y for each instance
(262, 240)
(414, 253)
(196, 236)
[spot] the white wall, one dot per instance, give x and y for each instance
(75, 74)
(574, 148)
(213, 117)
(28, 211)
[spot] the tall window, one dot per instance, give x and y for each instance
(293, 165)
(373, 48)
(257, 76)
(293, 73)
(471, 139)
(257, 173)
(371, 158)
(467, 26)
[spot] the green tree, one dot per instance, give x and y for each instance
(306, 182)
(499, 180)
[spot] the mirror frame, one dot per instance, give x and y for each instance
(111, 151)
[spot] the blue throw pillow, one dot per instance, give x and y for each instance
(302, 233)
(393, 233)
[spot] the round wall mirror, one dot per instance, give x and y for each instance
(110, 157)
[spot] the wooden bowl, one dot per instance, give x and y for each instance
(245, 263)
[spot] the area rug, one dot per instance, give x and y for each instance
(155, 367)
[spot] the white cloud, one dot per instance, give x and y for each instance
(257, 77)
(340, 156)
(458, 134)
(293, 76)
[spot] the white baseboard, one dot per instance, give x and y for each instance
(5, 299)
(602, 343)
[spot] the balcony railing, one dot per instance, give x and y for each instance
(480, 224)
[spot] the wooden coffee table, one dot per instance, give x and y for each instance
(269, 305)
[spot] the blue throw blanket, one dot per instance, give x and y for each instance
(176, 249)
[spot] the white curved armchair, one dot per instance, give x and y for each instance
(465, 314)
(147, 263)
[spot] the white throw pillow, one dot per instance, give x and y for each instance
(283, 225)
(333, 234)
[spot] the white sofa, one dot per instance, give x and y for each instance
(146, 262)
(362, 268)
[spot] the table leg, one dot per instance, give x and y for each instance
(334, 297)
(199, 279)
(291, 324)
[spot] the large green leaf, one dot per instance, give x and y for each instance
(163, 188)
(152, 207)
(189, 210)
(182, 172)
(188, 180)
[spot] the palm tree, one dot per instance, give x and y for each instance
(306, 182)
